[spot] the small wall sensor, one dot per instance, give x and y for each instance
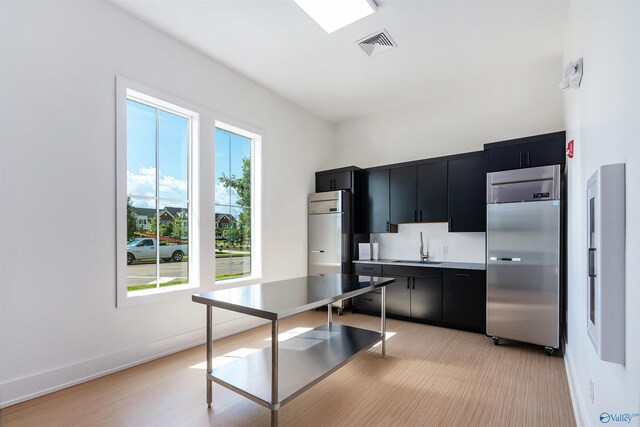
(572, 75)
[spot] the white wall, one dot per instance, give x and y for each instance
(405, 244)
(58, 321)
(466, 115)
(602, 117)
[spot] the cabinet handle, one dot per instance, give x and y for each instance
(527, 157)
(368, 299)
(463, 274)
(521, 159)
(414, 283)
(387, 226)
(415, 216)
(408, 283)
(421, 215)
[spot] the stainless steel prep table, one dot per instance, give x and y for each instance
(309, 357)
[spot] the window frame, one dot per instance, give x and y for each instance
(201, 198)
(127, 89)
(256, 203)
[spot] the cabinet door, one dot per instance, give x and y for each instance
(432, 192)
(342, 181)
(324, 183)
(426, 299)
(467, 194)
(464, 299)
(506, 158)
(398, 298)
(376, 201)
(403, 194)
(368, 303)
(333, 182)
(551, 152)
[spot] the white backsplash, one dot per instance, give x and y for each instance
(405, 244)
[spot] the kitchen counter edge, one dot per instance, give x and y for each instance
(442, 264)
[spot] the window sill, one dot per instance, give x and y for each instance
(241, 281)
(148, 296)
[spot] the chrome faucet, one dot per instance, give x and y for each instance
(423, 257)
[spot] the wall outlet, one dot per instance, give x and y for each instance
(591, 391)
(445, 249)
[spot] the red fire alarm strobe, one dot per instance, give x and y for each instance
(570, 149)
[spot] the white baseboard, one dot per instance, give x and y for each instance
(579, 411)
(29, 387)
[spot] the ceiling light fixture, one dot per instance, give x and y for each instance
(332, 15)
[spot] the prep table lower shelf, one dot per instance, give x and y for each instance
(304, 360)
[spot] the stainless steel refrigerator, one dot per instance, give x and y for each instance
(524, 219)
(329, 234)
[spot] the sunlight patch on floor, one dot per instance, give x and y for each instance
(388, 335)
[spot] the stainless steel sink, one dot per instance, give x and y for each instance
(413, 261)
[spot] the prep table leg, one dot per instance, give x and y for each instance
(329, 314)
(209, 356)
(274, 372)
(383, 322)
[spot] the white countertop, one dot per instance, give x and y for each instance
(416, 263)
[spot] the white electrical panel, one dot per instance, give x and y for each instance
(606, 262)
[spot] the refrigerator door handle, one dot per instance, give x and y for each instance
(493, 258)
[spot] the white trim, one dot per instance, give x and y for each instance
(128, 89)
(579, 411)
(29, 387)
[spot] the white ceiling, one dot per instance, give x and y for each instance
(442, 45)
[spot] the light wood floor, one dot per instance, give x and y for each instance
(431, 377)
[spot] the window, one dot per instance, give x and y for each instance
(155, 143)
(169, 240)
(234, 202)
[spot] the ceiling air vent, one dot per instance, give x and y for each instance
(377, 43)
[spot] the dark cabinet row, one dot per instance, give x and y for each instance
(448, 297)
(448, 189)
(533, 151)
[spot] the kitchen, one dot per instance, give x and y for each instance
(464, 74)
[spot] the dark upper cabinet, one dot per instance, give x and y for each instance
(432, 192)
(533, 151)
(334, 181)
(403, 195)
(467, 194)
(418, 193)
(464, 296)
(375, 210)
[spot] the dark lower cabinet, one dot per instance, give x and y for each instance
(449, 297)
(398, 298)
(426, 299)
(464, 296)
